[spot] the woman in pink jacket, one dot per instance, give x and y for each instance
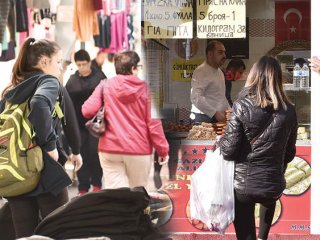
(125, 149)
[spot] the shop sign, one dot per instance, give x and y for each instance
(182, 70)
(167, 18)
(221, 18)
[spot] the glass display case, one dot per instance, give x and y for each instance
(289, 53)
(301, 98)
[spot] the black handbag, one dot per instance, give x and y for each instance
(97, 125)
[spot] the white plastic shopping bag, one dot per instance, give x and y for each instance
(212, 194)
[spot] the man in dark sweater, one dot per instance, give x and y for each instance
(80, 86)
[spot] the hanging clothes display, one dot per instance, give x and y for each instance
(22, 17)
(115, 25)
(130, 32)
(97, 4)
(7, 18)
(119, 32)
(85, 20)
(9, 53)
(104, 38)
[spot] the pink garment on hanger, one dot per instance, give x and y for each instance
(119, 32)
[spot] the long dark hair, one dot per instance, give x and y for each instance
(265, 84)
(28, 58)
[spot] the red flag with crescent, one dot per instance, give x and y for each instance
(292, 20)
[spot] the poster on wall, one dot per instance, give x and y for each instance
(221, 19)
(167, 19)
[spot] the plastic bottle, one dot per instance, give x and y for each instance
(304, 81)
(297, 71)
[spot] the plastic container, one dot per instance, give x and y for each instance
(297, 72)
(305, 76)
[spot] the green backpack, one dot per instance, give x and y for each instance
(21, 160)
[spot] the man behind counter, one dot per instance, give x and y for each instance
(208, 87)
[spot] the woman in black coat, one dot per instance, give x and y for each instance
(260, 137)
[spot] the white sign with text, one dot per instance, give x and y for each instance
(167, 18)
(221, 18)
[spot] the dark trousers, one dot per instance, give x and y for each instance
(26, 211)
(244, 221)
(91, 172)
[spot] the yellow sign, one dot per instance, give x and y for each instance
(167, 18)
(221, 18)
(182, 70)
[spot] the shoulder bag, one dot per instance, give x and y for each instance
(97, 125)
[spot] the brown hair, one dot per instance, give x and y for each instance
(28, 58)
(265, 84)
(124, 62)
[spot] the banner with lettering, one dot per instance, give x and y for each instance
(167, 18)
(221, 18)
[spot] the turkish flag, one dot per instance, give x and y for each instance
(292, 20)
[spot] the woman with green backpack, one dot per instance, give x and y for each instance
(34, 81)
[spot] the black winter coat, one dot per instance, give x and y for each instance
(259, 169)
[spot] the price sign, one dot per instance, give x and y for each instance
(167, 18)
(221, 18)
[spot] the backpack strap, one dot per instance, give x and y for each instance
(57, 110)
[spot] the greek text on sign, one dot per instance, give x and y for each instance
(221, 18)
(182, 70)
(167, 18)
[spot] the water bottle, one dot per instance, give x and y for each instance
(304, 81)
(297, 71)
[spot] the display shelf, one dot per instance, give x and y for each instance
(290, 87)
(306, 142)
